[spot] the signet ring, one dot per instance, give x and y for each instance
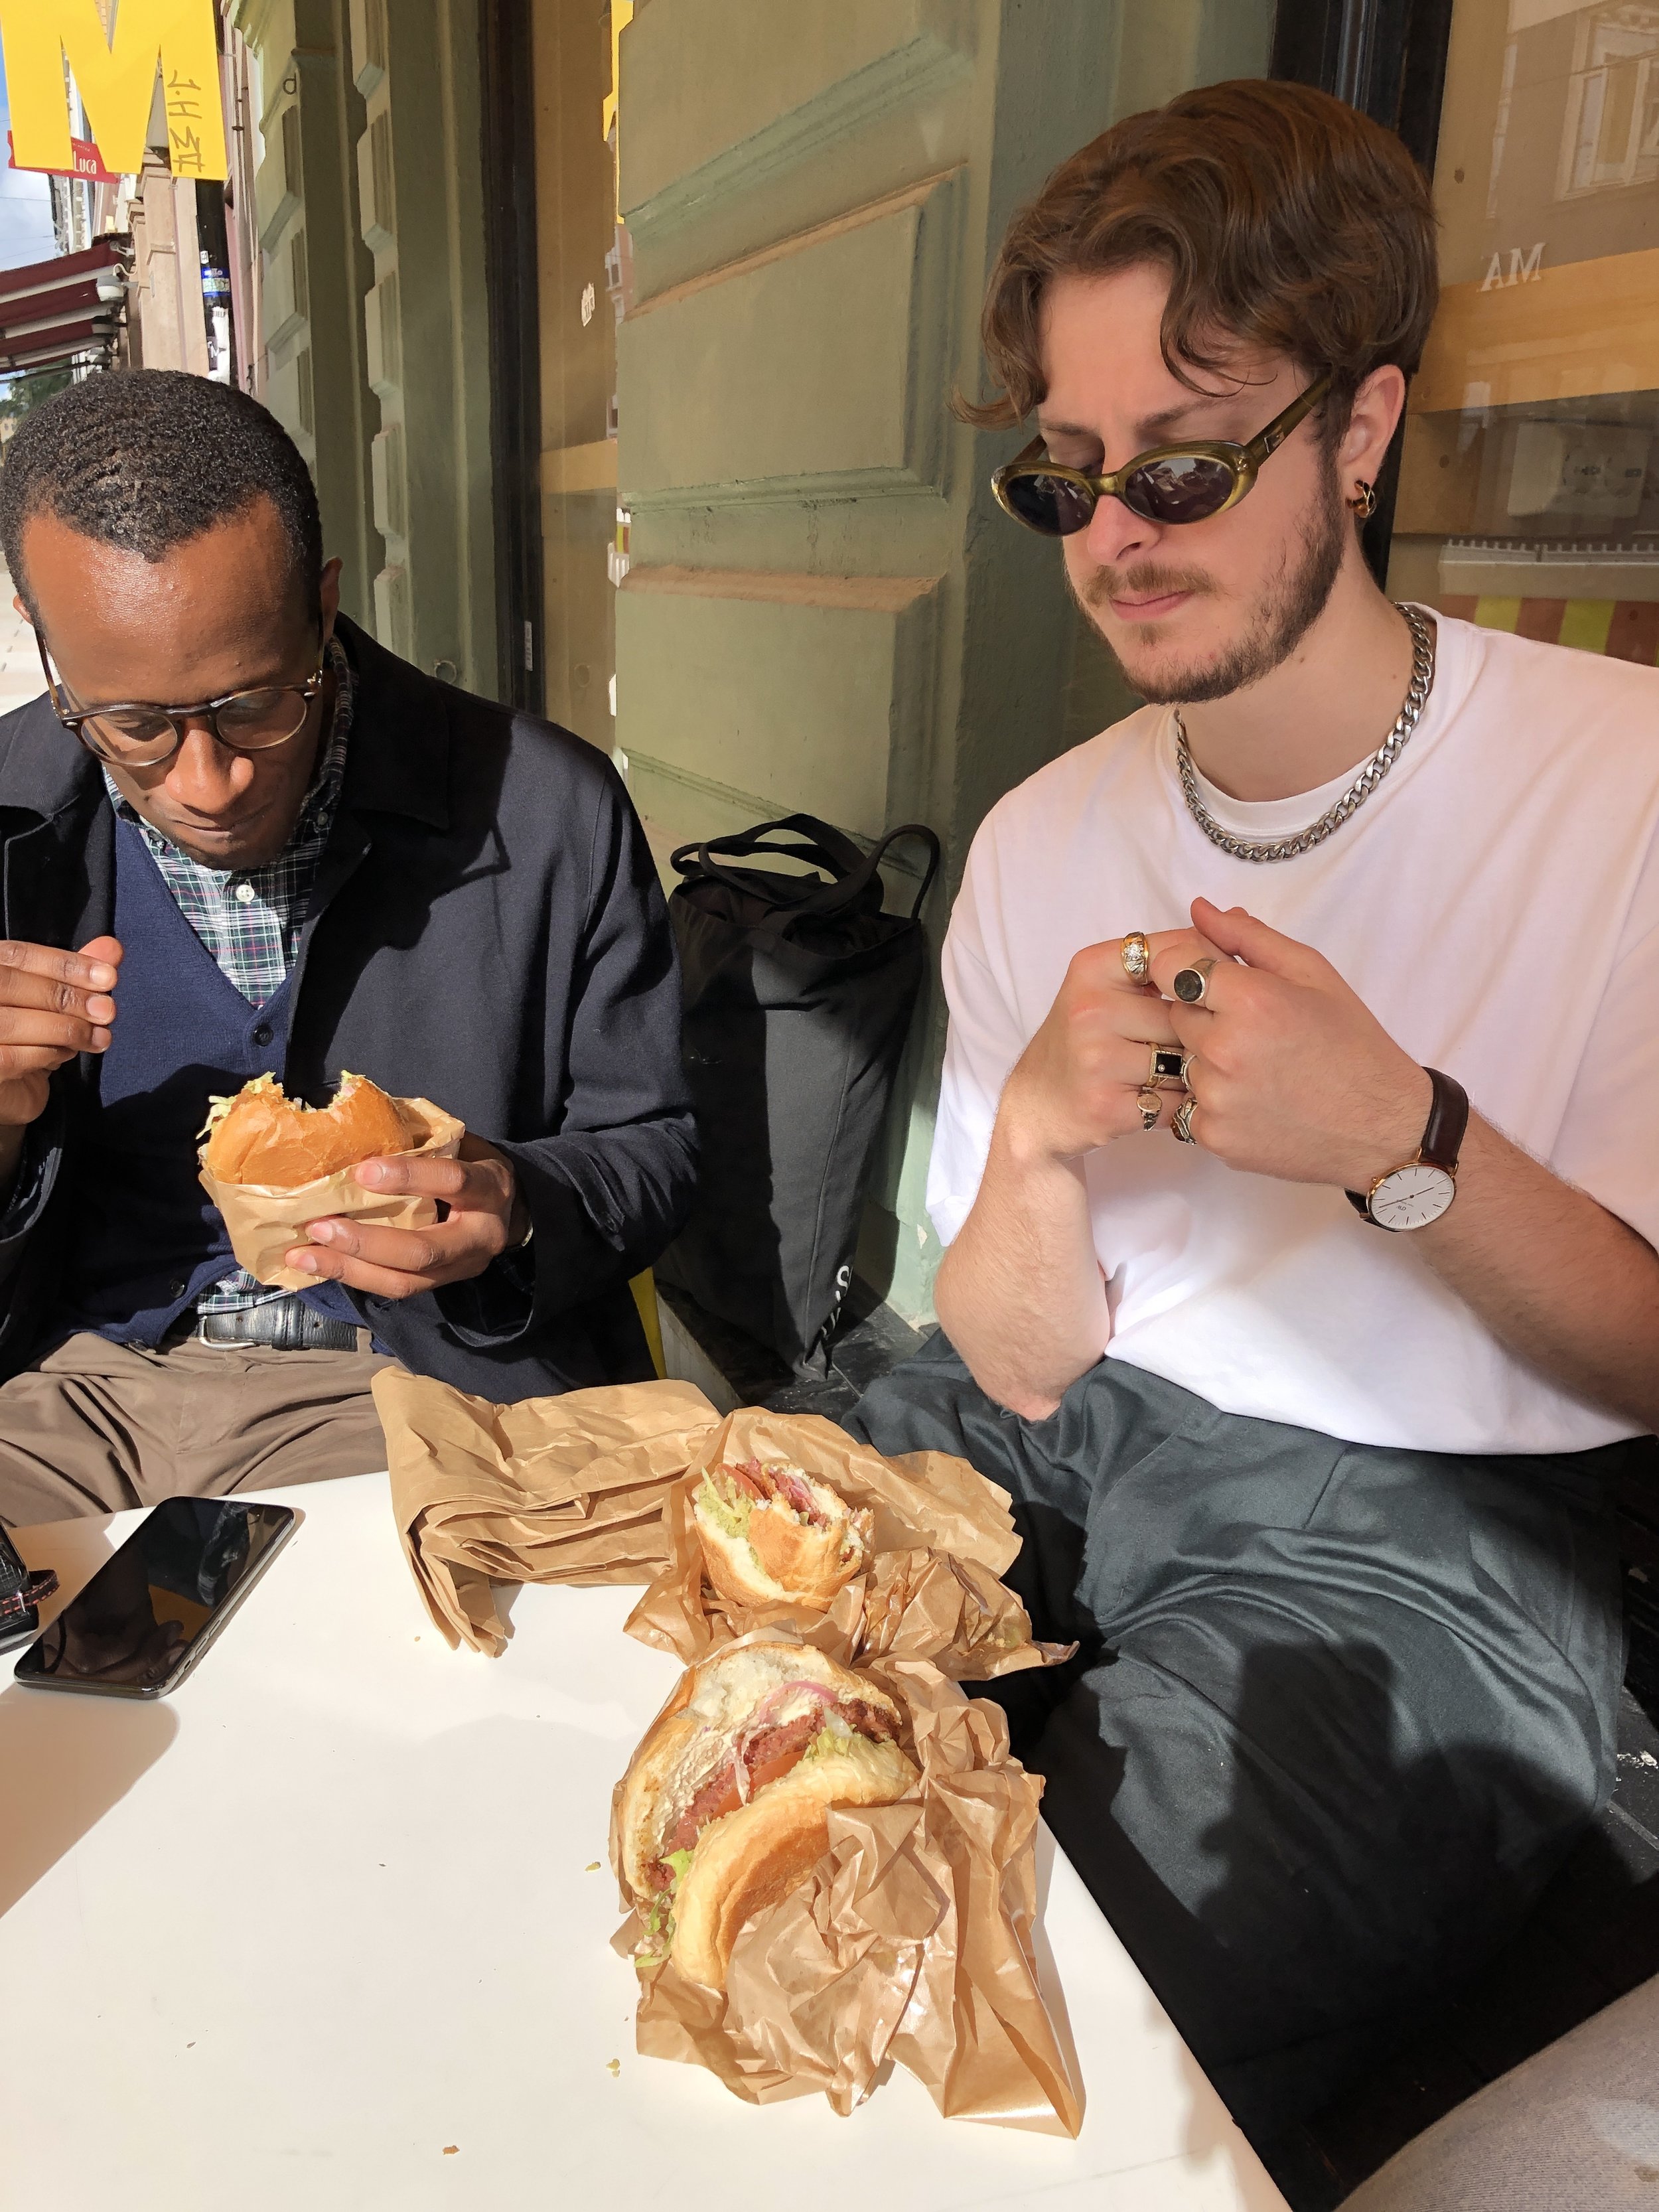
(1191, 985)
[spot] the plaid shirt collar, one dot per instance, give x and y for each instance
(249, 920)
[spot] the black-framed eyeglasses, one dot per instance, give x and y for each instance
(130, 733)
(1171, 484)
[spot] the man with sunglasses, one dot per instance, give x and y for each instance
(238, 837)
(1294, 1151)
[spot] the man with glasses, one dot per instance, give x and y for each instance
(1295, 1154)
(238, 837)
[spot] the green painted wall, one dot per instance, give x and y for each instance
(314, 268)
(421, 195)
(370, 228)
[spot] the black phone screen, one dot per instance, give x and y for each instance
(141, 1620)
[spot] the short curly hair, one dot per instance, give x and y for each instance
(1288, 222)
(148, 458)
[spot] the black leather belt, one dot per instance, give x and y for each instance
(286, 1324)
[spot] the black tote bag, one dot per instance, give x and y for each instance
(798, 993)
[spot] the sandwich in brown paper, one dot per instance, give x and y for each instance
(264, 1224)
(911, 1940)
(937, 1538)
(552, 1489)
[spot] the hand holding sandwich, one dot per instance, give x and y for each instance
(485, 1217)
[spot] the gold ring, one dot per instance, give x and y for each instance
(1151, 1105)
(1181, 1127)
(1191, 986)
(1166, 1065)
(1136, 955)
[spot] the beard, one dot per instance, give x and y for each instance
(1281, 617)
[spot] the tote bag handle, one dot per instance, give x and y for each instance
(852, 871)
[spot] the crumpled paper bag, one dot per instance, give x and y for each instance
(552, 1489)
(943, 1536)
(264, 1223)
(912, 1941)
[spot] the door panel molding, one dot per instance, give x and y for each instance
(796, 241)
(937, 55)
(821, 699)
(702, 369)
(783, 588)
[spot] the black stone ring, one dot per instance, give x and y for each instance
(1191, 984)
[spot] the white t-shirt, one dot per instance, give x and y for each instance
(1496, 905)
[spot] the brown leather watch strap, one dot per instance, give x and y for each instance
(1448, 1118)
(1442, 1134)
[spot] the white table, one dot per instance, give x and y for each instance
(283, 1938)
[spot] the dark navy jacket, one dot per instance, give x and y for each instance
(487, 932)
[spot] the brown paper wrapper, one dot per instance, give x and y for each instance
(550, 1490)
(264, 1223)
(943, 1535)
(912, 1941)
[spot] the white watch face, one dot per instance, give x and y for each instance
(1413, 1197)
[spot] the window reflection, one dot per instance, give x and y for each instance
(1529, 484)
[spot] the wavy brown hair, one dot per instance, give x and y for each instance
(1289, 223)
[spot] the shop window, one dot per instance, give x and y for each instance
(1528, 492)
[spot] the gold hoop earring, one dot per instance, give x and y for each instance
(1364, 502)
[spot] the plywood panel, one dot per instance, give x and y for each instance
(793, 689)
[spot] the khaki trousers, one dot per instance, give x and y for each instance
(95, 1427)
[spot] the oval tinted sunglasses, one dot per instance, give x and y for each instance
(1171, 484)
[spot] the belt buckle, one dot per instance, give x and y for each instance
(224, 1343)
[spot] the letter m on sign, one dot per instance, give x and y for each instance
(117, 82)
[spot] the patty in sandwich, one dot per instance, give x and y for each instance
(725, 1808)
(262, 1136)
(772, 1534)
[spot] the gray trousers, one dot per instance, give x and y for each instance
(1338, 1712)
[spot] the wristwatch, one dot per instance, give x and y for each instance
(1412, 1196)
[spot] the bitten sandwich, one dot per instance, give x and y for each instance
(725, 1808)
(261, 1136)
(771, 1535)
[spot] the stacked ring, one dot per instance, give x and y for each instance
(1181, 1127)
(1136, 955)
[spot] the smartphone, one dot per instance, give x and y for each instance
(152, 1609)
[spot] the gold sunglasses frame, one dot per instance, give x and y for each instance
(1244, 461)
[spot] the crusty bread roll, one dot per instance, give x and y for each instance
(703, 1851)
(261, 1136)
(772, 1534)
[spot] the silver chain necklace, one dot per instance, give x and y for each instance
(1288, 848)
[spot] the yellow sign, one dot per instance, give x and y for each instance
(117, 82)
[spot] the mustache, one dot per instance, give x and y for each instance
(1144, 581)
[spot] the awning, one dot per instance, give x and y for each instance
(51, 311)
